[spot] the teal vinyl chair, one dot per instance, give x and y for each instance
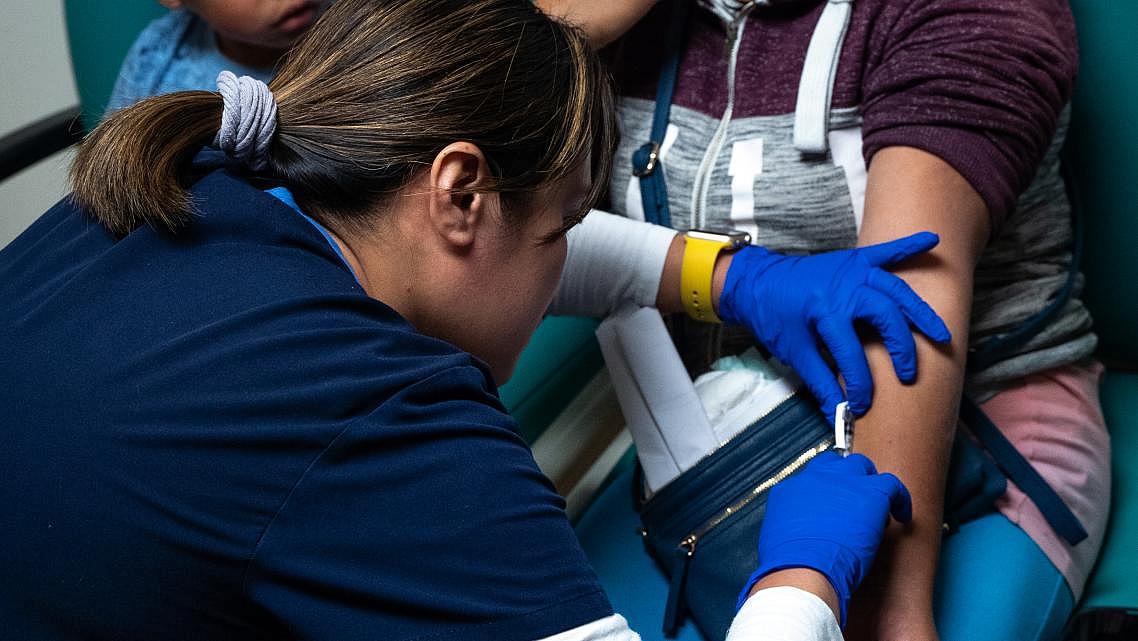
(100, 33)
(1104, 169)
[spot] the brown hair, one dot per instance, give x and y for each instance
(366, 99)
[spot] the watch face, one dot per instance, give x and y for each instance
(733, 238)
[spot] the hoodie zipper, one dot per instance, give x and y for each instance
(702, 183)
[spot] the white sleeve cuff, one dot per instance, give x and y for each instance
(612, 260)
(784, 614)
(774, 614)
(611, 628)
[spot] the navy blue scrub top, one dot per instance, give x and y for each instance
(218, 435)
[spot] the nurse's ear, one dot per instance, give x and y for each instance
(457, 212)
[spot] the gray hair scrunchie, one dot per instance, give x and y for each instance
(248, 119)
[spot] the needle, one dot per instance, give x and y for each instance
(843, 428)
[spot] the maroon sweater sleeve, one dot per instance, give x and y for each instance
(978, 83)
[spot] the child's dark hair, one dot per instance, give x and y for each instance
(366, 99)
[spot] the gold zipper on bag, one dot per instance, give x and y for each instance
(690, 541)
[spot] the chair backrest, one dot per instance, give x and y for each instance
(1104, 166)
(100, 33)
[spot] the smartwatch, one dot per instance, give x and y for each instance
(701, 249)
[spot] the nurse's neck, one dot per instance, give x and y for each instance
(384, 268)
(415, 258)
(430, 253)
(352, 258)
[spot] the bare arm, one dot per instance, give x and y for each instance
(602, 20)
(909, 429)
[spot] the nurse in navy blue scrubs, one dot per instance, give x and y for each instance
(250, 392)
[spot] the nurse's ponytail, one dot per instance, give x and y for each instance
(133, 169)
(364, 101)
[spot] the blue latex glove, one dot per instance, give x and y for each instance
(830, 517)
(790, 301)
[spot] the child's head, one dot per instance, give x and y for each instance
(248, 29)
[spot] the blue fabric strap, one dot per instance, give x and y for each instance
(646, 162)
(1020, 471)
(1009, 460)
(992, 350)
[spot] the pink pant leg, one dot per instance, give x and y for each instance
(1055, 420)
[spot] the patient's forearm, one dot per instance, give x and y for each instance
(909, 432)
(909, 429)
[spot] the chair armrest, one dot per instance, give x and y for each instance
(32, 143)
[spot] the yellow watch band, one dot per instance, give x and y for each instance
(696, 273)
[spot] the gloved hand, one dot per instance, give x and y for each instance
(787, 300)
(830, 517)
